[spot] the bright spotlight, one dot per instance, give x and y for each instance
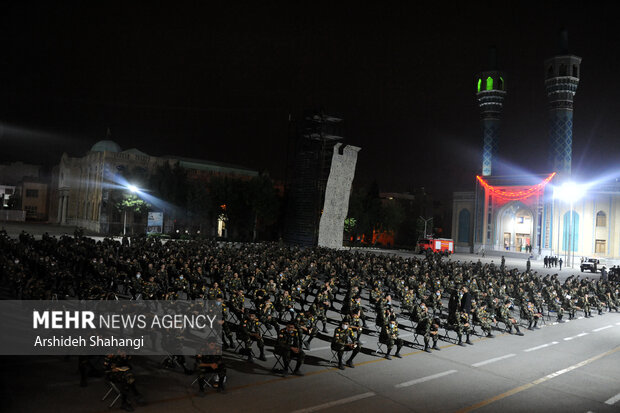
(132, 188)
(569, 192)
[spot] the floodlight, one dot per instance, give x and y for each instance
(569, 192)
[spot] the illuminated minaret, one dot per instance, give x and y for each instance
(562, 79)
(490, 91)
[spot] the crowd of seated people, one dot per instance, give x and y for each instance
(293, 294)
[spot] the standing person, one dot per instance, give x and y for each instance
(560, 262)
(465, 301)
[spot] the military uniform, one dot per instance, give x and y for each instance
(266, 315)
(427, 328)
(208, 364)
(118, 371)
(389, 337)
(482, 317)
(344, 340)
(305, 323)
(289, 346)
(250, 332)
(460, 323)
(505, 317)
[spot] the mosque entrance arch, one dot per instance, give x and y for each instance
(515, 227)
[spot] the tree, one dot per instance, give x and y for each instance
(264, 203)
(392, 215)
(170, 184)
(125, 201)
(198, 200)
(365, 208)
(131, 203)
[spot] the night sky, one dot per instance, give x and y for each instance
(216, 82)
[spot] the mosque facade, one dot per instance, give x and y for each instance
(537, 215)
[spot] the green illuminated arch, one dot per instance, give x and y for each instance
(489, 83)
(479, 84)
(501, 83)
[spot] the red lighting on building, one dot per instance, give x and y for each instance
(516, 194)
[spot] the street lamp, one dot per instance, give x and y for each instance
(426, 221)
(569, 192)
(134, 189)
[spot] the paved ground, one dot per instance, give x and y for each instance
(571, 367)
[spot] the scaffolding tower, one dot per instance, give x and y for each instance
(313, 149)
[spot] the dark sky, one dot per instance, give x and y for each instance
(216, 82)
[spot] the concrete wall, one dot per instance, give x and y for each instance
(337, 192)
(35, 206)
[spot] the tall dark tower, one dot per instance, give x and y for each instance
(490, 91)
(314, 149)
(562, 79)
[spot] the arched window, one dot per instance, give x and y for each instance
(550, 72)
(479, 84)
(489, 83)
(571, 241)
(563, 70)
(464, 218)
(601, 219)
(575, 71)
(501, 83)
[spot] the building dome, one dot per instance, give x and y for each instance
(106, 146)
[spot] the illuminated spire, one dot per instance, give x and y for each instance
(490, 91)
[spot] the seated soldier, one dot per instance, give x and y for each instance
(356, 307)
(482, 317)
(208, 361)
(427, 327)
(585, 305)
(344, 340)
(266, 312)
(356, 325)
(118, 371)
(306, 324)
(505, 317)
(569, 305)
(459, 321)
(556, 305)
(320, 313)
(250, 332)
(389, 337)
(531, 315)
(285, 305)
(289, 346)
(172, 342)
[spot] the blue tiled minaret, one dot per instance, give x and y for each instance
(490, 91)
(561, 81)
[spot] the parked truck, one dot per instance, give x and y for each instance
(442, 245)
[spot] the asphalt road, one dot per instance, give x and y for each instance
(570, 367)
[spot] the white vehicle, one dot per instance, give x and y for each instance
(590, 264)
